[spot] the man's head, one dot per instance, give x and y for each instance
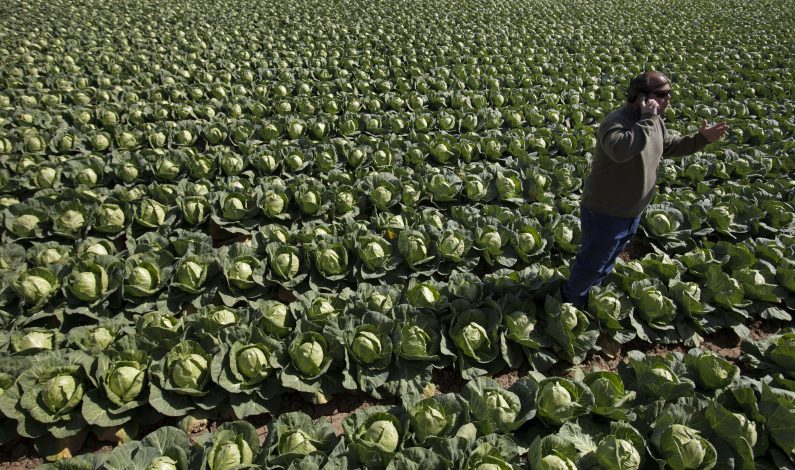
(651, 85)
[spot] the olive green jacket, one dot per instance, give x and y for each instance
(629, 148)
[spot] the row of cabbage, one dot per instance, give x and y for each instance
(175, 149)
(683, 411)
(396, 241)
(95, 277)
(120, 368)
(698, 198)
(240, 204)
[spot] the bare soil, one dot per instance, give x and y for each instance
(635, 249)
(18, 456)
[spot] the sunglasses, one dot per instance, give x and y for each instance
(660, 94)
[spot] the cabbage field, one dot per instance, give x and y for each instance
(239, 214)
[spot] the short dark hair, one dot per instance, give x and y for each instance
(644, 83)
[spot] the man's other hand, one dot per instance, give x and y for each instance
(714, 132)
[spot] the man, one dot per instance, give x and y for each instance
(631, 141)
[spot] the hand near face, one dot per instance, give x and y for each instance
(649, 105)
(714, 132)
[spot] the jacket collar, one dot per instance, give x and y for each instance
(632, 110)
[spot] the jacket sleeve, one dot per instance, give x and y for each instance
(620, 143)
(679, 146)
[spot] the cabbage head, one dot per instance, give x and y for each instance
(32, 340)
(610, 396)
(566, 233)
(653, 305)
(418, 339)
(413, 245)
(151, 214)
(490, 240)
(610, 306)
(110, 218)
(124, 376)
(163, 463)
(88, 281)
(520, 327)
(240, 273)
(273, 203)
(366, 346)
(556, 462)
(308, 354)
(71, 221)
(36, 286)
(296, 442)
(143, 279)
(309, 201)
(230, 450)
(331, 260)
(712, 371)
(191, 274)
(187, 368)
(285, 261)
(25, 225)
(252, 362)
(662, 220)
(560, 400)
(61, 393)
(619, 454)
(275, 318)
(375, 434)
(473, 334)
(430, 418)
(683, 447)
(195, 209)
(454, 245)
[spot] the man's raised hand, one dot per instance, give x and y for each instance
(713, 132)
(648, 106)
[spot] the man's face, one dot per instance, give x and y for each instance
(662, 95)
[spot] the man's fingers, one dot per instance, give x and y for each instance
(713, 132)
(650, 106)
(721, 127)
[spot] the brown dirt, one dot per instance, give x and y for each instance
(221, 237)
(336, 410)
(724, 343)
(635, 250)
(448, 381)
(508, 378)
(761, 329)
(606, 359)
(285, 295)
(21, 455)
(601, 362)
(262, 433)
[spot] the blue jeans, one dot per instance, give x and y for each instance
(603, 239)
